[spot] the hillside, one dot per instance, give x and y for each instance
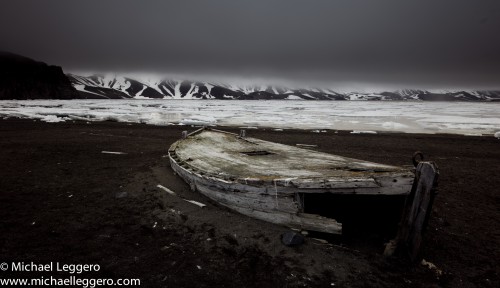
(23, 78)
(113, 87)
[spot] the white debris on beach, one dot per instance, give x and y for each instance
(432, 267)
(166, 189)
(363, 132)
(195, 203)
(113, 152)
(199, 204)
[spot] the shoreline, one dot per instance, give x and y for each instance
(250, 128)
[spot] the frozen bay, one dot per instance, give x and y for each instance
(468, 118)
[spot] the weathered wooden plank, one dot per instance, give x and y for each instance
(196, 131)
(260, 201)
(308, 146)
(265, 203)
(388, 187)
(299, 220)
(313, 183)
(416, 213)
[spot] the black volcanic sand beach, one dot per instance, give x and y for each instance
(62, 200)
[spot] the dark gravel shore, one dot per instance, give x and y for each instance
(63, 200)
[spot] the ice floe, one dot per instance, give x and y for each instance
(469, 118)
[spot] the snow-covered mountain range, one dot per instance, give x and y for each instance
(122, 87)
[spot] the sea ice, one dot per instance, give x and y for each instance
(411, 117)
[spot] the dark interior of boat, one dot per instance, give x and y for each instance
(372, 216)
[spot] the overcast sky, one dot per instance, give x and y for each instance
(427, 43)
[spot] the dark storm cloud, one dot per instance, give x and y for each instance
(429, 42)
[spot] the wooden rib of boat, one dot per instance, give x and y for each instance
(271, 181)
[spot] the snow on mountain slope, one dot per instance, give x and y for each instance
(142, 87)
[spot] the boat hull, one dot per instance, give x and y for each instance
(269, 181)
(256, 202)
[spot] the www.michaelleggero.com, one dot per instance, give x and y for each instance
(75, 277)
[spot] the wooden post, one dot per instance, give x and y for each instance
(184, 134)
(242, 133)
(418, 206)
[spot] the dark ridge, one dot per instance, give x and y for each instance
(135, 87)
(262, 95)
(22, 78)
(95, 92)
(89, 95)
(102, 92)
(165, 89)
(185, 87)
(392, 95)
(202, 90)
(151, 93)
(458, 96)
(219, 93)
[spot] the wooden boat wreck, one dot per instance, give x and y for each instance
(271, 181)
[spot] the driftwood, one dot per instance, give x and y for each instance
(418, 206)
